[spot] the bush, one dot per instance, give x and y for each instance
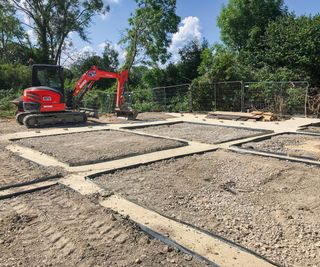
(14, 76)
(8, 109)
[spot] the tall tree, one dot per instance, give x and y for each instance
(293, 42)
(243, 22)
(191, 59)
(53, 20)
(12, 35)
(151, 27)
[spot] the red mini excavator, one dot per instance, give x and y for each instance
(45, 103)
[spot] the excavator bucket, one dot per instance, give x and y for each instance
(129, 114)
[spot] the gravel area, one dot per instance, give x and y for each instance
(58, 227)
(92, 147)
(14, 169)
(312, 128)
(267, 205)
(297, 145)
(199, 132)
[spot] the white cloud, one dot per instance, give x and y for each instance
(32, 35)
(109, 2)
(88, 49)
(189, 30)
(113, 2)
(105, 16)
(122, 52)
(71, 54)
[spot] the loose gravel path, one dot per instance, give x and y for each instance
(208, 134)
(93, 147)
(267, 205)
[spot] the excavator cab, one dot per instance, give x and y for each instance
(48, 75)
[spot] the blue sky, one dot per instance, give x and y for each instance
(199, 20)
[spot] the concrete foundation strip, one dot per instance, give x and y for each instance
(35, 181)
(236, 147)
(273, 155)
(16, 191)
(46, 160)
(35, 156)
(217, 251)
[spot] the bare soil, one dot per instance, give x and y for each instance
(267, 205)
(98, 146)
(153, 116)
(14, 169)
(208, 134)
(8, 126)
(297, 145)
(58, 227)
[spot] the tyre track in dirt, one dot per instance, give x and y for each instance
(59, 227)
(14, 169)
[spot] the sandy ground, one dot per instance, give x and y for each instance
(11, 126)
(267, 205)
(8, 126)
(58, 227)
(92, 147)
(199, 132)
(290, 144)
(14, 169)
(153, 116)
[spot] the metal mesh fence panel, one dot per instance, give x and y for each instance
(105, 102)
(283, 98)
(225, 96)
(171, 98)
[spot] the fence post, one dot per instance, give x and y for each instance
(306, 101)
(190, 98)
(215, 96)
(242, 96)
(165, 98)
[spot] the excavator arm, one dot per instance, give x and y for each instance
(87, 80)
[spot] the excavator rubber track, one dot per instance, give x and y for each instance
(49, 119)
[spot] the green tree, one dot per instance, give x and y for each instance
(151, 27)
(243, 22)
(220, 63)
(293, 42)
(53, 20)
(108, 61)
(190, 60)
(12, 35)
